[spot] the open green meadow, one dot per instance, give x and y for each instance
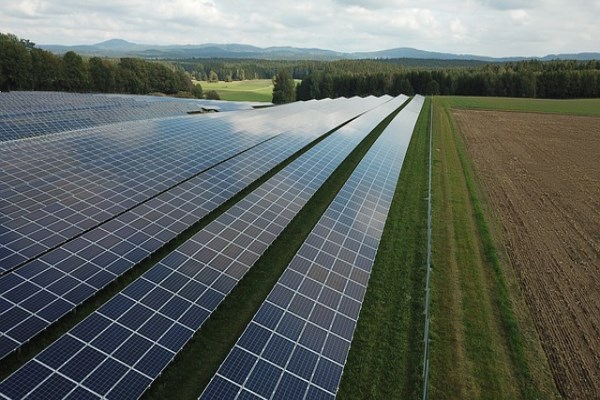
(248, 90)
(589, 107)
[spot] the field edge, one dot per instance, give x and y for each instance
(518, 352)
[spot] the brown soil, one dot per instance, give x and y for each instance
(542, 174)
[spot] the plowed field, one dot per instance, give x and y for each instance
(542, 174)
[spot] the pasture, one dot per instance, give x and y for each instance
(589, 107)
(248, 90)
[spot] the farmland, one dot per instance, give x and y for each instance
(530, 182)
(541, 174)
(249, 90)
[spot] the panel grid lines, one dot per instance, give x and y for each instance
(316, 303)
(32, 114)
(91, 261)
(208, 264)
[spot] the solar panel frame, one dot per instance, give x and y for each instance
(313, 167)
(313, 309)
(26, 115)
(82, 179)
(91, 261)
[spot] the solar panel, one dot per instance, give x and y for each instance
(139, 331)
(40, 292)
(54, 189)
(297, 343)
(32, 114)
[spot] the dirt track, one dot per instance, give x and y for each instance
(542, 173)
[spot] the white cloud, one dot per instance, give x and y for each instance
(459, 31)
(486, 27)
(520, 16)
(511, 4)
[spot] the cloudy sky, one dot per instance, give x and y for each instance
(483, 27)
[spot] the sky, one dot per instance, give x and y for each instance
(497, 28)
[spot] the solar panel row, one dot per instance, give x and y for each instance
(119, 350)
(40, 292)
(77, 191)
(296, 345)
(54, 189)
(32, 114)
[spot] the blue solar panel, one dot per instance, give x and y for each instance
(69, 184)
(32, 114)
(288, 190)
(309, 318)
(92, 260)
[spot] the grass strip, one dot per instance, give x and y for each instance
(585, 107)
(498, 297)
(502, 296)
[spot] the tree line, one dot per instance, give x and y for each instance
(534, 79)
(559, 79)
(25, 67)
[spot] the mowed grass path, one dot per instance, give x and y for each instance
(589, 107)
(248, 90)
(479, 349)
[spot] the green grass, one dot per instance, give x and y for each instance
(478, 349)
(249, 90)
(590, 107)
(467, 355)
(385, 360)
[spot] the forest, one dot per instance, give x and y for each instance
(557, 79)
(25, 67)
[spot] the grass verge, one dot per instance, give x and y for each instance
(590, 107)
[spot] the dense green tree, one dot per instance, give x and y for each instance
(197, 91)
(75, 76)
(133, 76)
(102, 75)
(46, 70)
(162, 79)
(212, 95)
(15, 63)
(24, 67)
(284, 88)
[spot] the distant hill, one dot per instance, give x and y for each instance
(123, 48)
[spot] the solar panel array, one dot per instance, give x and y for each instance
(296, 345)
(121, 348)
(54, 189)
(62, 187)
(32, 114)
(40, 292)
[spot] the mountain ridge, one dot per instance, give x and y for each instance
(123, 48)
